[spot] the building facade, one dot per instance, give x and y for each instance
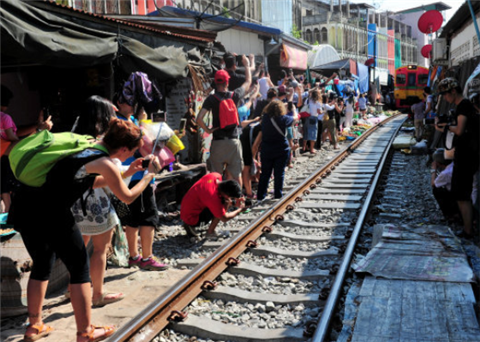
(411, 17)
(357, 31)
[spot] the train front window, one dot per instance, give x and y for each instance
(401, 78)
(412, 79)
(422, 79)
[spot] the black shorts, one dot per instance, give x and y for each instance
(246, 149)
(205, 217)
(143, 211)
(462, 180)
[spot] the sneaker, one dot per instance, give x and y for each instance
(190, 230)
(152, 264)
(134, 262)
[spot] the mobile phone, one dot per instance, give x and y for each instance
(145, 163)
(183, 123)
(239, 59)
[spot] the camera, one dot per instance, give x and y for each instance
(448, 118)
(145, 163)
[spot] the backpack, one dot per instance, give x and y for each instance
(33, 157)
(227, 112)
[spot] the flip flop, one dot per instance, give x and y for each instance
(109, 330)
(104, 300)
(43, 330)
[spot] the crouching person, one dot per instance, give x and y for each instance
(209, 199)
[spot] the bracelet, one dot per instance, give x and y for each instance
(433, 170)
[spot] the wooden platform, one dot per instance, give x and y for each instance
(418, 289)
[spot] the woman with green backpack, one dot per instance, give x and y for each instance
(42, 215)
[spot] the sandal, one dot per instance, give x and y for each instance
(107, 298)
(109, 330)
(43, 330)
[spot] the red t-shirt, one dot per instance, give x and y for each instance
(203, 194)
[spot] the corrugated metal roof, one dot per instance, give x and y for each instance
(218, 19)
(460, 18)
(438, 6)
(169, 31)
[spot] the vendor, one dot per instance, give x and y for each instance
(209, 200)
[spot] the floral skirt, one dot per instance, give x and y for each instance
(101, 216)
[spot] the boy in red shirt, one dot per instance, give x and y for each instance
(209, 200)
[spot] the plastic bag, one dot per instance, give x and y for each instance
(151, 130)
(165, 157)
(175, 144)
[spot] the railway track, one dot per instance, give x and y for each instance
(280, 278)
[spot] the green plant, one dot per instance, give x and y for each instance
(296, 33)
(226, 12)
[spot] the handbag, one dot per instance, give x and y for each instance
(121, 208)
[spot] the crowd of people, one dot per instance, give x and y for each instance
(455, 151)
(273, 122)
(258, 127)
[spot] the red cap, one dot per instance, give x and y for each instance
(221, 76)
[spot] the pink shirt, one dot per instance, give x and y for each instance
(6, 122)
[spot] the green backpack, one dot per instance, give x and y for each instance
(33, 157)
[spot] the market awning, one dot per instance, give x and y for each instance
(293, 57)
(327, 69)
(30, 36)
(34, 36)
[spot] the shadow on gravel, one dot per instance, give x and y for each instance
(118, 276)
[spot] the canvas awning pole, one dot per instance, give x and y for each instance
(474, 19)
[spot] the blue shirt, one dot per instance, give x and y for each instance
(138, 175)
(275, 144)
(243, 113)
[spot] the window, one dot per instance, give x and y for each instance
(412, 79)
(308, 36)
(316, 36)
(324, 39)
(401, 79)
(423, 79)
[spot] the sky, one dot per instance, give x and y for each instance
(399, 5)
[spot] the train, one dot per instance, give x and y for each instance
(409, 83)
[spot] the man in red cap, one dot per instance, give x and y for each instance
(226, 149)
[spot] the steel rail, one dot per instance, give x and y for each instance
(156, 316)
(335, 291)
